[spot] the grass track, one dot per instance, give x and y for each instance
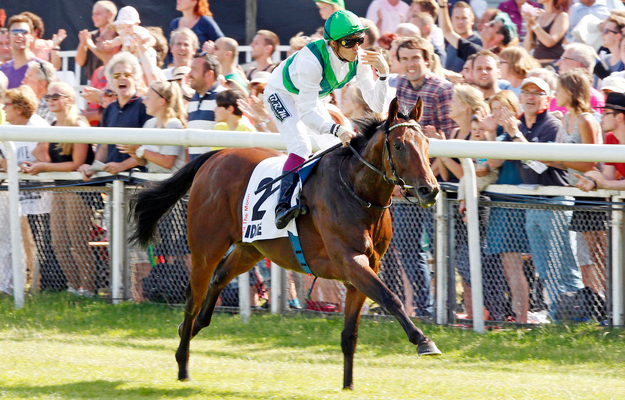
(61, 347)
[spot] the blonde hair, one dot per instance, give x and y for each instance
(520, 62)
(355, 94)
(171, 92)
(72, 117)
(24, 99)
(507, 99)
(470, 96)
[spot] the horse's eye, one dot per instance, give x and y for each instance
(397, 145)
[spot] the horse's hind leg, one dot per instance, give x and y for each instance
(240, 260)
(349, 337)
(202, 269)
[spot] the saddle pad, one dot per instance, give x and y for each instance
(259, 210)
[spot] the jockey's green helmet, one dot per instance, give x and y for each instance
(341, 24)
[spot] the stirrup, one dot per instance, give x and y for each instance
(283, 217)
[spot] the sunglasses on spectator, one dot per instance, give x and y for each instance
(15, 32)
(54, 96)
(43, 69)
(349, 43)
(118, 75)
(606, 30)
(109, 93)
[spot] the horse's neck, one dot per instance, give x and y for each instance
(369, 184)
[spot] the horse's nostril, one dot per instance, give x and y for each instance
(424, 191)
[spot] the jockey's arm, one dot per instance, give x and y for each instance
(373, 92)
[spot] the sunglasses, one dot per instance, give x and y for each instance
(606, 30)
(109, 93)
(54, 96)
(43, 69)
(158, 93)
(118, 75)
(349, 43)
(15, 32)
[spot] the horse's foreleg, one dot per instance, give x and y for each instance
(366, 281)
(349, 337)
(196, 292)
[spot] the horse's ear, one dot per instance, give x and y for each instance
(393, 109)
(417, 110)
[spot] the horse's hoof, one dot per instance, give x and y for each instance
(186, 378)
(428, 348)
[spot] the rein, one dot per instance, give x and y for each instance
(386, 149)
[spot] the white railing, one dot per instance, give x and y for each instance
(461, 149)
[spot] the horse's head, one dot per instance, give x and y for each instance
(409, 160)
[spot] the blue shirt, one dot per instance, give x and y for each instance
(131, 115)
(455, 63)
(201, 110)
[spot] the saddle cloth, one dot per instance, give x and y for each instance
(259, 210)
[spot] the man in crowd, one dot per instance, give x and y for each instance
(496, 34)
(227, 53)
(415, 55)
(103, 14)
(579, 55)
(183, 43)
(38, 76)
(263, 46)
(205, 70)
(462, 20)
(486, 73)
(547, 230)
(20, 31)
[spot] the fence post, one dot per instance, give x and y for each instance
(617, 264)
(15, 225)
(473, 238)
(244, 297)
(117, 240)
(276, 293)
(441, 260)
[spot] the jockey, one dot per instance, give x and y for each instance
(297, 86)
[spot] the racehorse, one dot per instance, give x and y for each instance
(343, 236)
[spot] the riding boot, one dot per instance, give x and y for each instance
(284, 212)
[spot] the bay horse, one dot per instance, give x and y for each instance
(345, 233)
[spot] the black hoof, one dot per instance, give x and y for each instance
(428, 348)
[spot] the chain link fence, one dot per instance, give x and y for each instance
(543, 259)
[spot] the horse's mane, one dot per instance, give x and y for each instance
(367, 127)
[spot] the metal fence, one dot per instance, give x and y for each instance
(545, 258)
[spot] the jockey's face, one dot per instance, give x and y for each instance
(347, 48)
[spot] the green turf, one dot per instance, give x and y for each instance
(63, 347)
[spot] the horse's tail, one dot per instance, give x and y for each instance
(147, 206)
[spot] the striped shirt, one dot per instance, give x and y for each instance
(201, 111)
(436, 94)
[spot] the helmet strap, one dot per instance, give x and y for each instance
(336, 51)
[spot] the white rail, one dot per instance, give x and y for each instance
(459, 149)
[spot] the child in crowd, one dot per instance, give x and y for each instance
(228, 115)
(130, 33)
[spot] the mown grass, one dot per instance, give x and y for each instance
(63, 347)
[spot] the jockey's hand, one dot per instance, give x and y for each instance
(345, 135)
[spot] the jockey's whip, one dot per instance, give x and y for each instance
(319, 155)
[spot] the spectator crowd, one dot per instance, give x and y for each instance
(546, 72)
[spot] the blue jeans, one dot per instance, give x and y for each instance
(551, 246)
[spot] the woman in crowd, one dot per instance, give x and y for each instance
(196, 16)
(545, 33)
(20, 105)
(581, 126)
(72, 212)
(514, 64)
(506, 235)
(354, 105)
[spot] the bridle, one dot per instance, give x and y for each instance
(395, 179)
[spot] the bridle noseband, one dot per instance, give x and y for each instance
(395, 179)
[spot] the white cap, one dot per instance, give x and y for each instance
(260, 77)
(613, 83)
(179, 73)
(540, 82)
(127, 16)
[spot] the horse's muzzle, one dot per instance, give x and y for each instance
(427, 195)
